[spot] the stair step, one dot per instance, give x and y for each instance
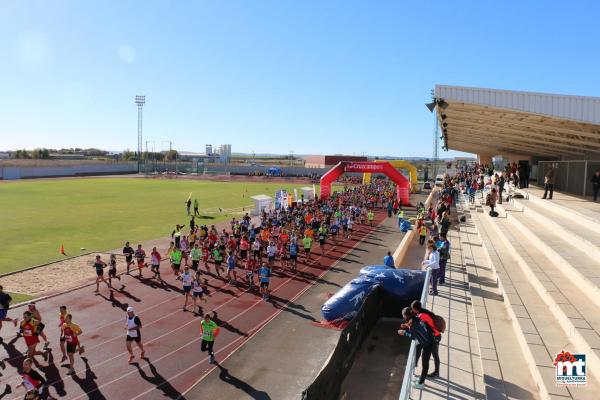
(539, 334)
(577, 233)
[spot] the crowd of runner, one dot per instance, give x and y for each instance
(247, 254)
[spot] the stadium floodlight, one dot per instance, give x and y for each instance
(140, 101)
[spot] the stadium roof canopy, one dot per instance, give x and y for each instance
(498, 122)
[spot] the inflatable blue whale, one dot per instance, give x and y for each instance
(402, 284)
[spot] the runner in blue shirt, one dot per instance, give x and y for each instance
(293, 254)
(265, 276)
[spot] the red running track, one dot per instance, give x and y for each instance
(171, 337)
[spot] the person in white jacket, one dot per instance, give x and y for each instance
(432, 261)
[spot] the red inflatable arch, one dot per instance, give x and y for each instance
(402, 184)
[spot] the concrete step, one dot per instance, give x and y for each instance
(575, 232)
(539, 333)
(503, 373)
(579, 267)
(569, 207)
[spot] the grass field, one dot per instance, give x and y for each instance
(100, 214)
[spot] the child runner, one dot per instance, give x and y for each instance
(186, 280)
(61, 316)
(99, 265)
(38, 317)
(5, 300)
(128, 253)
(112, 269)
(133, 324)
(71, 333)
(30, 331)
(140, 255)
(155, 258)
(265, 276)
(197, 292)
(209, 331)
(231, 268)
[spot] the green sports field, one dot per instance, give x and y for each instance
(100, 214)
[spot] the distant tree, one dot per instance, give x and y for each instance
(128, 155)
(23, 154)
(171, 155)
(36, 153)
(45, 154)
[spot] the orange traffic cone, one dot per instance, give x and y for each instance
(62, 250)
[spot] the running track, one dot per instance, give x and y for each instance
(171, 337)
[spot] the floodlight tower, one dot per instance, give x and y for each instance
(140, 101)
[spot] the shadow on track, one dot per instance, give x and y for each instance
(226, 377)
(88, 383)
(157, 380)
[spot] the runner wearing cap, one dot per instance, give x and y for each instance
(209, 331)
(133, 324)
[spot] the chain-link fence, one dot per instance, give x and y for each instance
(570, 176)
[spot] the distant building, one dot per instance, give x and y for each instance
(329, 161)
(209, 149)
(4, 155)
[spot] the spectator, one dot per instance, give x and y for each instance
(501, 182)
(549, 178)
(491, 200)
(428, 317)
(388, 260)
(595, 184)
(416, 329)
(432, 260)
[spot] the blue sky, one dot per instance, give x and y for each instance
(273, 76)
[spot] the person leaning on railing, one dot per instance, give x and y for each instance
(416, 329)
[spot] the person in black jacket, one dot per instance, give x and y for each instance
(418, 330)
(595, 184)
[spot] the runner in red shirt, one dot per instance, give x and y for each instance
(71, 333)
(30, 331)
(61, 316)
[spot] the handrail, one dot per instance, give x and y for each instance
(411, 362)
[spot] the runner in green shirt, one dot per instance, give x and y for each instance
(176, 256)
(370, 217)
(307, 243)
(209, 331)
(196, 254)
(218, 257)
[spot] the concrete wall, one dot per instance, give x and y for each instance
(74, 170)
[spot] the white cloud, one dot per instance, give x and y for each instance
(126, 53)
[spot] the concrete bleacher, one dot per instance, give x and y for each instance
(544, 257)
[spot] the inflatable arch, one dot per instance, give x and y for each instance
(412, 171)
(402, 184)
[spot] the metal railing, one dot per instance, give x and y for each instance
(411, 364)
